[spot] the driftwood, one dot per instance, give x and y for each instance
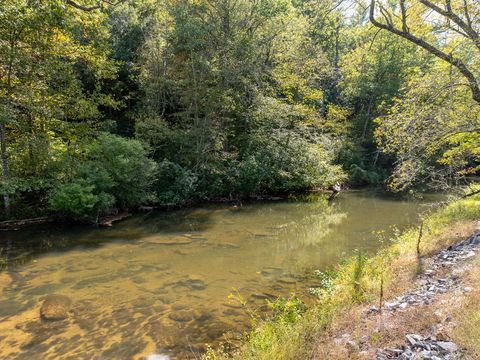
(15, 224)
(108, 221)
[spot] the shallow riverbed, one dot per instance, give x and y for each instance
(160, 283)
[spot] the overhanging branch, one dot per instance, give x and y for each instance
(406, 34)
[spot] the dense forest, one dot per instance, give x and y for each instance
(106, 106)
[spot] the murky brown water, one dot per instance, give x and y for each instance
(159, 283)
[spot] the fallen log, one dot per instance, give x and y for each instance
(109, 220)
(16, 224)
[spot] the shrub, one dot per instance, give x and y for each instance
(175, 184)
(78, 199)
(128, 167)
(282, 161)
(115, 172)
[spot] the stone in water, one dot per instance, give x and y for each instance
(55, 307)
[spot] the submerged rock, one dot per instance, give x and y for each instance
(55, 307)
(163, 240)
(192, 283)
(181, 316)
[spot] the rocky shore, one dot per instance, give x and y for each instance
(443, 275)
(416, 324)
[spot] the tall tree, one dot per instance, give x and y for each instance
(45, 47)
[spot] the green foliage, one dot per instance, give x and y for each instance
(374, 71)
(224, 99)
(288, 310)
(77, 199)
(357, 291)
(434, 138)
(326, 281)
(175, 185)
(229, 105)
(113, 172)
(127, 165)
(53, 59)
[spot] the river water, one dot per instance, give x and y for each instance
(159, 284)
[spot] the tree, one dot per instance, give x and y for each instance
(99, 4)
(431, 132)
(422, 22)
(433, 129)
(51, 60)
(212, 72)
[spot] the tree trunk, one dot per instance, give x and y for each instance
(3, 151)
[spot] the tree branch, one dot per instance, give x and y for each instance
(449, 14)
(454, 61)
(404, 16)
(92, 7)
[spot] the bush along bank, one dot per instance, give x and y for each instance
(297, 332)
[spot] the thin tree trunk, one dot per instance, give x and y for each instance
(3, 150)
(337, 61)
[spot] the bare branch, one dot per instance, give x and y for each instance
(449, 14)
(100, 5)
(467, 13)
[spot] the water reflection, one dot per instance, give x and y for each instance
(159, 283)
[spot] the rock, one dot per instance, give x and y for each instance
(191, 282)
(475, 239)
(447, 346)
(233, 305)
(262, 296)
(413, 339)
(470, 254)
(157, 357)
(352, 346)
(363, 340)
(467, 289)
(55, 307)
(195, 284)
(226, 245)
(161, 240)
(201, 315)
(287, 280)
(181, 316)
(391, 304)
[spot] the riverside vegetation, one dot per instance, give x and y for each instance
(108, 106)
(295, 331)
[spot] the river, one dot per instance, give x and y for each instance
(159, 284)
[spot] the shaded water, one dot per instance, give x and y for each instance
(159, 283)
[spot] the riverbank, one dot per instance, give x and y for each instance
(360, 283)
(17, 224)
